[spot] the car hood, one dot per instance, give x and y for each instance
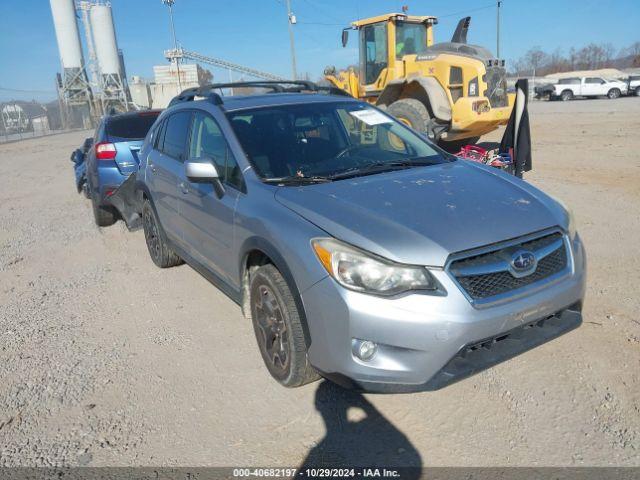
(422, 215)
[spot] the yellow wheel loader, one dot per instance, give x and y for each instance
(451, 91)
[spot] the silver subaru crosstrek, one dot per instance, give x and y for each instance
(360, 251)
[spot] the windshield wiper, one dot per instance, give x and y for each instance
(380, 167)
(297, 180)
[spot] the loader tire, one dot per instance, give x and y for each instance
(412, 113)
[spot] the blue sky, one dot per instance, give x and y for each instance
(254, 32)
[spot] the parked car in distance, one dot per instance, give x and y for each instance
(569, 88)
(633, 85)
(113, 157)
(360, 251)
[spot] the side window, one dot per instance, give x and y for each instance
(158, 136)
(207, 141)
(176, 134)
(593, 80)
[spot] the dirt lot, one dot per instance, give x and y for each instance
(107, 360)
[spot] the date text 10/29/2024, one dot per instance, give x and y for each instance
(320, 472)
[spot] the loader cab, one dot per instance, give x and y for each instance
(386, 39)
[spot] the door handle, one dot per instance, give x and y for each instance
(184, 188)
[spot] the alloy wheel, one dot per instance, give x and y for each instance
(274, 336)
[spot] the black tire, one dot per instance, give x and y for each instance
(159, 250)
(566, 95)
(278, 328)
(637, 92)
(103, 215)
(613, 93)
(455, 145)
(411, 112)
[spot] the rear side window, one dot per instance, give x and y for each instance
(597, 81)
(569, 81)
(176, 135)
(131, 126)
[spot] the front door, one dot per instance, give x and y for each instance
(374, 57)
(207, 218)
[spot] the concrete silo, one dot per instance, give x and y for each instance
(74, 86)
(112, 81)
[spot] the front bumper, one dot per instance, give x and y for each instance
(426, 342)
(469, 121)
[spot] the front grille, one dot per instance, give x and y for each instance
(496, 79)
(484, 285)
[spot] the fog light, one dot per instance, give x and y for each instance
(364, 349)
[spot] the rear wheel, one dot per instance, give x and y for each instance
(159, 250)
(103, 215)
(411, 112)
(278, 328)
(613, 93)
(566, 95)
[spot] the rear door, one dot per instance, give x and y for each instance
(207, 219)
(127, 133)
(164, 168)
(593, 86)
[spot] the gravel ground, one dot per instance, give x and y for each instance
(107, 360)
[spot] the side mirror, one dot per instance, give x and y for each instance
(345, 36)
(203, 170)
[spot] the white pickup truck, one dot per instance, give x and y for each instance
(569, 88)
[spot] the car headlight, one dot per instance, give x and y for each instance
(358, 270)
(571, 221)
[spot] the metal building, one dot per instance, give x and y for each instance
(111, 80)
(73, 85)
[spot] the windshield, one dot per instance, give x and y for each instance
(411, 39)
(326, 140)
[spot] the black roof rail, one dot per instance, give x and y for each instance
(276, 86)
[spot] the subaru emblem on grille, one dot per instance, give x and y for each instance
(523, 263)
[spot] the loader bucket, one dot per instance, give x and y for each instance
(126, 201)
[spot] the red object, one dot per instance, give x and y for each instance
(105, 151)
(473, 153)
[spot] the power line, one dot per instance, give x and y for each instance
(17, 90)
(463, 12)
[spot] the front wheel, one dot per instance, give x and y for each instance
(278, 328)
(613, 93)
(159, 250)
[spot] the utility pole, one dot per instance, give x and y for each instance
(169, 3)
(498, 29)
(291, 18)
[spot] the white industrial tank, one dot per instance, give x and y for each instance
(104, 37)
(64, 21)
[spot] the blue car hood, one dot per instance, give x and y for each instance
(422, 215)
